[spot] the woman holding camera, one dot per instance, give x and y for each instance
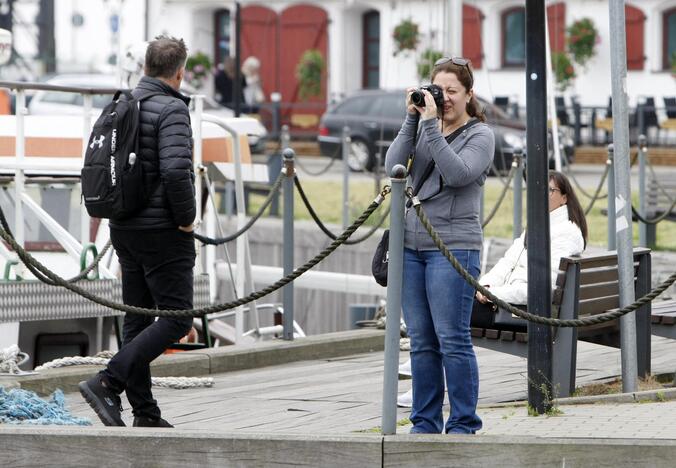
(453, 150)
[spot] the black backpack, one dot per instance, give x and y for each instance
(112, 176)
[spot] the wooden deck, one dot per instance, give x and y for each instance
(344, 395)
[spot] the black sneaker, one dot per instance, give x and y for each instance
(144, 421)
(105, 403)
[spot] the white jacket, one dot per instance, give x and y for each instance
(508, 279)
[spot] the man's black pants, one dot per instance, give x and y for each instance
(157, 272)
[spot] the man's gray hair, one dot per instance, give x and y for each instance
(165, 56)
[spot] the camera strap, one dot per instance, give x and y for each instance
(430, 165)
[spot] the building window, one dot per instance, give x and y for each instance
(669, 38)
(371, 52)
(222, 35)
(514, 37)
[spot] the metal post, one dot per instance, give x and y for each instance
(287, 256)
(518, 192)
(19, 178)
(237, 85)
(276, 99)
(346, 176)
(395, 268)
(285, 137)
(642, 227)
(540, 391)
(611, 198)
(86, 129)
(623, 224)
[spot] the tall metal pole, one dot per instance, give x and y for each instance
(539, 277)
(237, 85)
(287, 291)
(642, 227)
(518, 192)
(611, 197)
(346, 176)
(623, 224)
(395, 268)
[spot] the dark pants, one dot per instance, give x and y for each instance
(157, 272)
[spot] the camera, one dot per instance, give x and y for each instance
(418, 98)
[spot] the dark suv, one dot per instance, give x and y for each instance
(374, 118)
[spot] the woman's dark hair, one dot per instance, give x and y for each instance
(575, 211)
(165, 56)
(466, 77)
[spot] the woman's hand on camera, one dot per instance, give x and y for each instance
(430, 109)
(410, 107)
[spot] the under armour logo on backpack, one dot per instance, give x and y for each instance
(97, 141)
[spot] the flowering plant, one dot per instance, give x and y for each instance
(197, 68)
(309, 73)
(582, 39)
(563, 70)
(406, 36)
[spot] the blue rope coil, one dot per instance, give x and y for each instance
(19, 406)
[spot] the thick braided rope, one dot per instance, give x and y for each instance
(571, 175)
(10, 359)
(593, 320)
(598, 189)
(325, 229)
(653, 220)
(505, 189)
(28, 259)
(325, 169)
(166, 382)
(222, 240)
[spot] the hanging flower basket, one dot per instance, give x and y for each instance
(406, 36)
(309, 73)
(582, 39)
(197, 68)
(564, 71)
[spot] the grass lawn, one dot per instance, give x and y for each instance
(326, 199)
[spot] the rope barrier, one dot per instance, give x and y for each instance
(222, 240)
(510, 176)
(571, 175)
(598, 188)
(583, 322)
(82, 275)
(325, 229)
(322, 171)
(30, 260)
(654, 220)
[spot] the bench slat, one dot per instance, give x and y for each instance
(598, 305)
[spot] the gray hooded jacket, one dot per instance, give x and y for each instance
(451, 194)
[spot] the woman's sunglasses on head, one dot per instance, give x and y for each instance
(459, 61)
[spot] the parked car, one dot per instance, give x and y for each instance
(374, 118)
(60, 103)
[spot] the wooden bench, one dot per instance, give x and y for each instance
(663, 318)
(586, 286)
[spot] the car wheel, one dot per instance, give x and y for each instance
(360, 158)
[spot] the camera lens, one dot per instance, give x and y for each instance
(418, 98)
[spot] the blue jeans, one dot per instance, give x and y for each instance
(437, 305)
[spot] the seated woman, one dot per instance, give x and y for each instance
(508, 279)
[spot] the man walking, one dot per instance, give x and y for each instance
(155, 246)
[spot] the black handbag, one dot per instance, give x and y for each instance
(380, 259)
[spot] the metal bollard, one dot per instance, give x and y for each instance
(517, 163)
(612, 245)
(642, 227)
(346, 176)
(288, 250)
(395, 270)
(276, 99)
(285, 137)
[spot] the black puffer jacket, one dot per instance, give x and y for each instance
(166, 154)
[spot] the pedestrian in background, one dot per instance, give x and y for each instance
(253, 92)
(224, 83)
